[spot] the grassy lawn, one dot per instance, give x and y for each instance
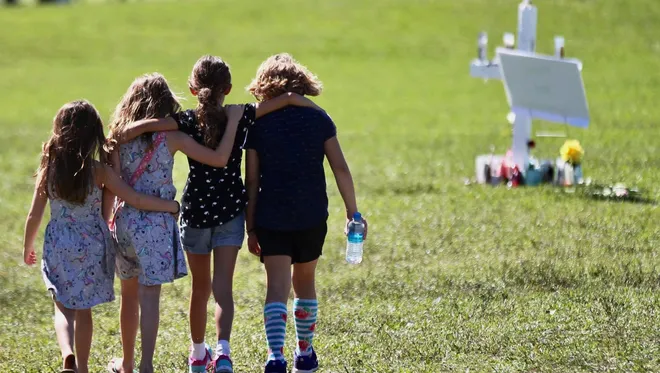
(455, 277)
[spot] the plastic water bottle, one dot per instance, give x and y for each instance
(355, 240)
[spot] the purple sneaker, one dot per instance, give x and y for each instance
(305, 363)
(222, 364)
(275, 366)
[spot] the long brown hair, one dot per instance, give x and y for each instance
(149, 96)
(281, 73)
(67, 159)
(210, 79)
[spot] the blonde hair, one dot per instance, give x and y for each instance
(149, 96)
(280, 74)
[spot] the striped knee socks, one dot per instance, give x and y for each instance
(275, 323)
(305, 315)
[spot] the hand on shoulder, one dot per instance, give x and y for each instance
(234, 113)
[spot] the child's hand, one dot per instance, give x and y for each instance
(253, 244)
(29, 256)
(123, 136)
(234, 113)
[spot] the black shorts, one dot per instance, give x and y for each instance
(302, 246)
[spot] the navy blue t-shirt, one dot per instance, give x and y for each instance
(290, 145)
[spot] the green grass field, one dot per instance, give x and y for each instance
(455, 278)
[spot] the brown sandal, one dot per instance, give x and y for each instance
(69, 361)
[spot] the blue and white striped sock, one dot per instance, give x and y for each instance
(275, 322)
(305, 311)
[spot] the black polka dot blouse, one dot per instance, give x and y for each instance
(214, 196)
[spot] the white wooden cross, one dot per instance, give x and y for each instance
(534, 84)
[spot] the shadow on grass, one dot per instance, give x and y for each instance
(616, 193)
(406, 189)
(598, 192)
(634, 199)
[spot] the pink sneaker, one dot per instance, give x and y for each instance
(200, 366)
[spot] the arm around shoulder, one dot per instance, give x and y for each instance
(140, 127)
(283, 100)
(117, 186)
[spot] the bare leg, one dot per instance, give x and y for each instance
(200, 268)
(84, 329)
(304, 280)
(129, 319)
(150, 317)
(64, 320)
(278, 275)
(224, 263)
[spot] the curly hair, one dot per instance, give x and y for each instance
(149, 96)
(210, 79)
(66, 170)
(280, 74)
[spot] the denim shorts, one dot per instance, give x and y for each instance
(204, 240)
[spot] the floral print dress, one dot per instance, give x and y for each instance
(79, 253)
(149, 245)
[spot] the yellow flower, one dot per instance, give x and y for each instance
(572, 152)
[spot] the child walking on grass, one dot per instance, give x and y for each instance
(214, 201)
(288, 204)
(78, 253)
(150, 251)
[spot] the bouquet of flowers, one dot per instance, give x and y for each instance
(571, 153)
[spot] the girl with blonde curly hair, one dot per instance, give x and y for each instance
(288, 204)
(280, 74)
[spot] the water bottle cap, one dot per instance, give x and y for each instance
(357, 216)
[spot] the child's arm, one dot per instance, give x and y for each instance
(143, 126)
(108, 196)
(116, 185)
(33, 221)
(214, 158)
(284, 100)
(343, 177)
(252, 186)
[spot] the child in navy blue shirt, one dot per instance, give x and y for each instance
(288, 205)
